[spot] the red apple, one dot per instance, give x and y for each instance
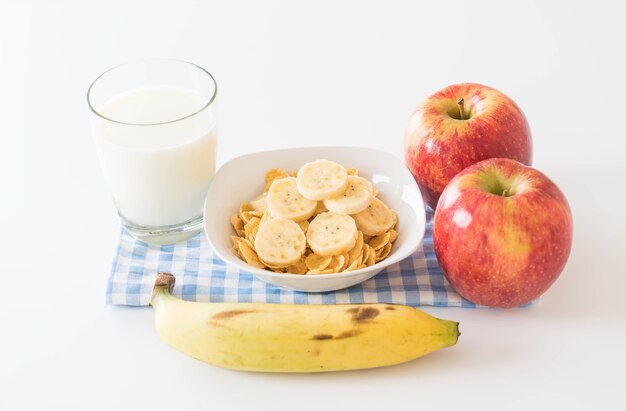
(459, 126)
(502, 233)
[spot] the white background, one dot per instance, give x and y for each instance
(295, 74)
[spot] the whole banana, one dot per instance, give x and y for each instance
(296, 337)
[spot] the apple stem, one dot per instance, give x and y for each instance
(505, 192)
(459, 103)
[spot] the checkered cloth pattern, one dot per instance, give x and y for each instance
(202, 276)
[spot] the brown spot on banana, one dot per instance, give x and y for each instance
(345, 334)
(348, 334)
(226, 315)
(363, 314)
(321, 337)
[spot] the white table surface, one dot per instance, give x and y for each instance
(295, 74)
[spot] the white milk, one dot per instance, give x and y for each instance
(158, 173)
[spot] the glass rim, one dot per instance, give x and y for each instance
(97, 113)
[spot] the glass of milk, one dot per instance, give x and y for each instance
(154, 124)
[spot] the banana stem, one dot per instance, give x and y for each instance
(165, 279)
(163, 282)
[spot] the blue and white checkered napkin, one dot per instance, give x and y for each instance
(202, 276)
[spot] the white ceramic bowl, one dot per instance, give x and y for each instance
(242, 179)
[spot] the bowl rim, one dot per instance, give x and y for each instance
(381, 265)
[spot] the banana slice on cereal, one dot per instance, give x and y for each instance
(280, 242)
(331, 234)
(355, 198)
(284, 201)
(321, 180)
(376, 219)
(259, 203)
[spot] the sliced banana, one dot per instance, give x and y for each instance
(280, 242)
(376, 219)
(284, 201)
(322, 179)
(331, 234)
(355, 198)
(259, 203)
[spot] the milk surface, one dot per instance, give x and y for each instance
(159, 166)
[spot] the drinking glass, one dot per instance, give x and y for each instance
(154, 124)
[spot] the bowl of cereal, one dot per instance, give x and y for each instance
(314, 219)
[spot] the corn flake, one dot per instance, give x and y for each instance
(244, 207)
(248, 228)
(246, 216)
(252, 236)
(265, 218)
(394, 215)
(321, 208)
(304, 225)
(371, 256)
(354, 265)
(298, 268)
(274, 174)
(317, 262)
(237, 224)
(357, 249)
(383, 252)
(324, 271)
(337, 263)
(346, 261)
(249, 254)
(379, 241)
(272, 267)
(393, 235)
(366, 252)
